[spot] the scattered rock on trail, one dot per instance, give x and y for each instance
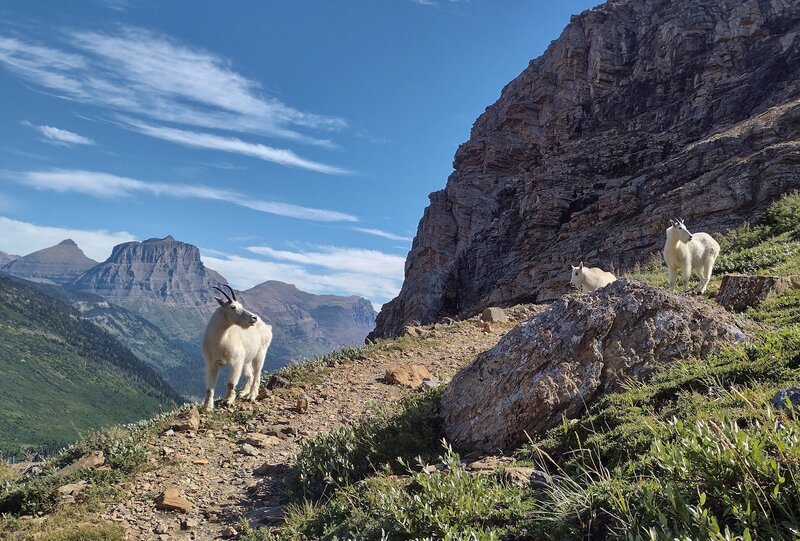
(277, 382)
(89, 461)
(72, 489)
(410, 376)
(188, 421)
(265, 516)
(172, 500)
(738, 292)
(302, 404)
(580, 348)
(493, 314)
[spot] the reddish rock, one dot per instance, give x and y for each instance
(172, 500)
(410, 376)
(188, 421)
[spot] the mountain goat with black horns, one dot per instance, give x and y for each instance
(687, 252)
(239, 339)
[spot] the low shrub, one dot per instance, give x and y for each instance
(377, 442)
(425, 504)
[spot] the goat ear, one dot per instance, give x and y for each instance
(580, 265)
(671, 222)
(220, 301)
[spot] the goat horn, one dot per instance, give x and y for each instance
(221, 291)
(233, 293)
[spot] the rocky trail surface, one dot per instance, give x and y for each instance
(205, 476)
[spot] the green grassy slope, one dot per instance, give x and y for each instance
(62, 375)
(699, 451)
(179, 363)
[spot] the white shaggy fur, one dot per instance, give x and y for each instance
(687, 253)
(587, 279)
(239, 339)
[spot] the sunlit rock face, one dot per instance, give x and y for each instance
(641, 110)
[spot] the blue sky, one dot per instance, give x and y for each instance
(294, 140)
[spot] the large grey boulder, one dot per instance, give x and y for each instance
(739, 292)
(561, 360)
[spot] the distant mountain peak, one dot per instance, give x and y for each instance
(162, 279)
(59, 264)
(167, 239)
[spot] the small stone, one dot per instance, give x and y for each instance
(265, 516)
(430, 383)
(289, 430)
(199, 461)
(260, 440)
(302, 404)
(410, 376)
(228, 532)
(172, 500)
(89, 461)
(188, 421)
(249, 450)
(72, 489)
(271, 470)
(161, 528)
(169, 432)
(189, 524)
(493, 314)
(518, 475)
(278, 382)
(792, 395)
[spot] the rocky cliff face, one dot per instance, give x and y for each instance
(305, 325)
(163, 280)
(58, 264)
(641, 110)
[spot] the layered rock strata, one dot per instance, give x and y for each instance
(641, 110)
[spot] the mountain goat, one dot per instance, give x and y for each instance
(587, 279)
(688, 252)
(239, 339)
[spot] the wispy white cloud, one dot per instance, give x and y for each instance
(22, 238)
(104, 185)
(115, 5)
(370, 274)
(234, 145)
(146, 75)
(357, 260)
(380, 233)
(57, 136)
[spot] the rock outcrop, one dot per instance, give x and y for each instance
(739, 292)
(581, 347)
(162, 280)
(641, 110)
(57, 264)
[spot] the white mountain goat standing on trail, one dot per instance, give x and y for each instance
(239, 339)
(687, 252)
(587, 279)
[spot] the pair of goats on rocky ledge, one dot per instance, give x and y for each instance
(683, 251)
(239, 339)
